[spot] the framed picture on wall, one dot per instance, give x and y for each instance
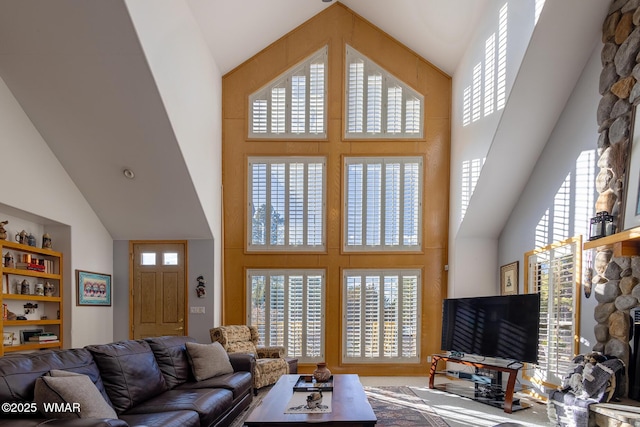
(93, 288)
(632, 184)
(509, 279)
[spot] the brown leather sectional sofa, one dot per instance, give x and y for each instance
(147, 382)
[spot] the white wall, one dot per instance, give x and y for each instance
(574, 137)
(34, 182)
(472, 268)
(190, 85)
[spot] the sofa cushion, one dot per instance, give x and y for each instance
(208, 360)
(209, 404)
(74, 394)
(171, 355)
(129, 372)
(164, 419)
(19, 372)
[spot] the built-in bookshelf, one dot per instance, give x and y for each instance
(31, 298)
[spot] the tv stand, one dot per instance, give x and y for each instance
(490, 394)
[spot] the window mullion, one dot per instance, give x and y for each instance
(305, 206)
(267, 310)
(287, 177)
(385, 105)
(268, 206)
(363, 226)
(305, 315)
(383, 205)
(288, 106)
(381, 316)
(307, 98)
(402, 204)
(286, 308)
(363, 315)
(400, 315)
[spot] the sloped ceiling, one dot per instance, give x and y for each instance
(79, 72)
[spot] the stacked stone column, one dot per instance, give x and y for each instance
(614, 280)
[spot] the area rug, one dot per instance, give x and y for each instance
(400, 407)
(394, 407)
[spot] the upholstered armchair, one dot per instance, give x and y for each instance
(270, 362)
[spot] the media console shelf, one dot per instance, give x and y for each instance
(503, 400)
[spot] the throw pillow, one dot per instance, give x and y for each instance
(208, 360)
(70, 395)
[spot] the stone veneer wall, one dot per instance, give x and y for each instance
(614, 279)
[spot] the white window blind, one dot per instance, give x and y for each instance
(383, 203)
(286, 204)
(378, 104)
(287, 307)
(294, 104)
(553, 272)
(381, 320)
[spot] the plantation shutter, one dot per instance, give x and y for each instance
(383, 204)
(379, 105)
(381, 316)
(294, 104)
(554, 274)
(286, 204)
(287, 307)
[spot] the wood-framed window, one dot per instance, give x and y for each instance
(288, 308)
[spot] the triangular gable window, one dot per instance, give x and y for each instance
(294, 104)
(378, 104)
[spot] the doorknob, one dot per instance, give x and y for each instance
(179, 329)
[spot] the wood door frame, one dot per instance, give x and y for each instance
(185, 243)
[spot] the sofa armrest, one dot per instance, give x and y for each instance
(271, 352)
(242, 362)
(84, 422)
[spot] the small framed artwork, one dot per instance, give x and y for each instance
(509, 279)
(8, 338)
(25, 334)
(632, 185)
(93, 288)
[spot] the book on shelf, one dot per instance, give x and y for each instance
(30, 266)
(43, 338)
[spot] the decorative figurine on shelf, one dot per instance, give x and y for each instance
(3, 232)
(8, 260)
(200, 289)
(31, 240)
(46, 241)
(39, 289)
(25, 287)
(49, 289)
(21, 237)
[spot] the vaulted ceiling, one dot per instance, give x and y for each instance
(78, 70)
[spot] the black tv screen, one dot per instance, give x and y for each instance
(504, 327)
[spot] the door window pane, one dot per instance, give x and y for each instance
(148, 258)
(170, 258)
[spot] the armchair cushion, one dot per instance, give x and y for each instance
(271, 352)
(270, 363)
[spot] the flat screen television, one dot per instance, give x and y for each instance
(503, 327)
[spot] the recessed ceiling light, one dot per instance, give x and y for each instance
(128, 173)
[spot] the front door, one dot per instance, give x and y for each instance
(158, 298)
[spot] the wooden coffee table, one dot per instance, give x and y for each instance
(349, 406)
